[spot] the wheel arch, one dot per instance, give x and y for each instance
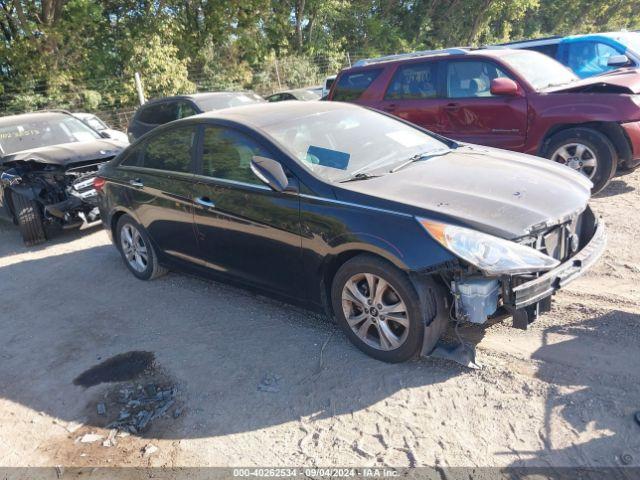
(611, 130)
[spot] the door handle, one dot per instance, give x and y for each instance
(452, 107)
(389, 108)
(136, 182)
(205, 202)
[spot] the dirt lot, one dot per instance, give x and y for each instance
(261, 383)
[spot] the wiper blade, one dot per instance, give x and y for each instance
(359, 176)
(419, 157)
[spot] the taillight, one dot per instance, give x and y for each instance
(98, 183)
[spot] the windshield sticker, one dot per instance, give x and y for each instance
(407, 138)
(18, 134)
(328, 158)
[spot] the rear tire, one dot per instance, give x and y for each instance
(29, 217)
(395, 332)
(606, 159)
(137, 251)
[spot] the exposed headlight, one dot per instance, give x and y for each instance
(492, 255)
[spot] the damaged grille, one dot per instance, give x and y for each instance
(81, 180)
(560, 241)
(564, 240)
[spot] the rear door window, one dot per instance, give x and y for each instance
(471, 78)
(414, 81)
(185, 109)
(171, 150)
(351, 85)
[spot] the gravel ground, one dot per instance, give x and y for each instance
(256, 382)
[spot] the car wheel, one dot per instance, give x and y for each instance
(137, 250)
(29, 217)
(586, 151)
(378, 308)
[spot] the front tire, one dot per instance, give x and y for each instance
(136, 249)
(378, 308)
(586, 151)
(30, 221)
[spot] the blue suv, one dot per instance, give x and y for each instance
(591, 54)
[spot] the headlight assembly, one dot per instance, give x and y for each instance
(492, 255)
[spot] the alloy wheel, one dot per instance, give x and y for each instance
(577, 156)
(134, 248)
(375, 311)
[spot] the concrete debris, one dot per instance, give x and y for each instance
(73, 426)
(269, 383)
(90, 438)
(111, 439)
(149, 450)
(177, 412)
(141, 405)
(101, 409)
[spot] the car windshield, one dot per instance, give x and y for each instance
(227, 100)
(95, 123)
(631, 40)
(539, 70)
(338, 144)
(42, 131)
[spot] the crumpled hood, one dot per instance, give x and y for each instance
(499, 192)
(68, 153)
(624, 80)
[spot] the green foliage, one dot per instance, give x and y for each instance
(82, 54)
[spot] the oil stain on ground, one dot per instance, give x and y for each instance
(122, 367)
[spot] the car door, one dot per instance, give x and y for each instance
(414, 94)
(473, 114)
(159, 174)
(245, 229)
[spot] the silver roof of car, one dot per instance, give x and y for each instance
(262, 114)
(400, 56)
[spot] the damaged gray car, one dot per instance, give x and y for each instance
(48, 161)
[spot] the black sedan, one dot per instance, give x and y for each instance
(391, 229)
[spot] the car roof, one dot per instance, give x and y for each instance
(195, 97)
(26, 117)
(457, 52)
(618, 35)
(260, 115)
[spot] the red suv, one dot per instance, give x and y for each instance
(513, 99)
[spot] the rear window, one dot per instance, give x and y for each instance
(550, 50)
(158, 114)
(351, 85)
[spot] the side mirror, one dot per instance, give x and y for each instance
(270, 172)
(618, 61)
(104, 134)
(504, 86)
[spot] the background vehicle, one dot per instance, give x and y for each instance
(514, 99)
(97, 124)
(370, 219)
(165, 110)
(304, 94)
(588, 55)
(48, 161)
(328, 83)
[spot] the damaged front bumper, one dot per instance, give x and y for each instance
(478, 299)
(545, 285)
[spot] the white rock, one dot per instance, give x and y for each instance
(90, 438)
